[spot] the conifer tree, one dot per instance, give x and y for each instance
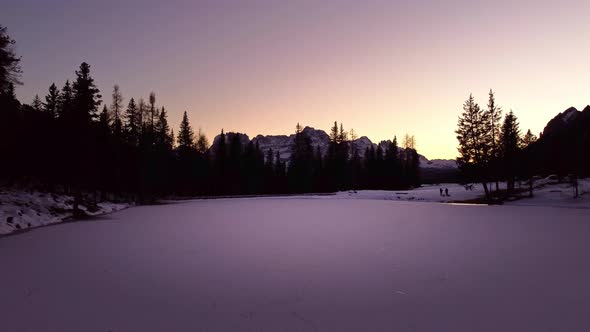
(132, 124)
(51, 101)
(494, 115)
(117, 109)
(474, 142)
(10, 70)
(65, 102)
(509, 147)
(153, 110)
(528, 139)
(186, 136)
(86, 95)
(162, 131)
(37, 105)
(202, 142)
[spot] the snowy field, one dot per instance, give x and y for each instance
(302, 264)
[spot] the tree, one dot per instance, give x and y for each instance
(509, 147)
(37, 104)
(528, 139)
(202, 142)
(86, 95)
(186, 136)
(301, 162)
(494, 115)
(51, 101)
(474, 142)
(116, 109)
(10, 70)
(153, 110)
(65, 102)
(162, 131)
(132, 124)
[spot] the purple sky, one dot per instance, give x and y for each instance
(382, 67)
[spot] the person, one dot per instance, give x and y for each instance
(440, 189)
(446, 191)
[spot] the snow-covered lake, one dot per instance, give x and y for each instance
(302, 264)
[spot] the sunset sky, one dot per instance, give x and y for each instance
(382, 67)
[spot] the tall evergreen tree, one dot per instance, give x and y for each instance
(65, 103)
(494, 115)
(474, 142)
(186, 136)
(10, 70)
(51, 101)
(86, 95)
(162, 130)
(37, 105)
(509, 147)
(132, 124)
(528, 139)
(117, 110)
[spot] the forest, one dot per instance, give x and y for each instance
(74, 140)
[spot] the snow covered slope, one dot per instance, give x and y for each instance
(21, 210)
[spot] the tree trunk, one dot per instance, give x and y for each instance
(486, 190)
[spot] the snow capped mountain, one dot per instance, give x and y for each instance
(561, 121)
(319, 138)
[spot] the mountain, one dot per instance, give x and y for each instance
(563, 146)
(561, 121)
(319, 138)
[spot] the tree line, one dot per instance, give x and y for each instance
(492, 149)
(67, 142)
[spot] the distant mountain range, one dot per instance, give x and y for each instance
(562, 147)
(319, 138)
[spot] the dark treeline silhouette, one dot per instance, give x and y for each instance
(67, 142)
(492, 150)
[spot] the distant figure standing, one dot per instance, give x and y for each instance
(446, 191)
(440, 191)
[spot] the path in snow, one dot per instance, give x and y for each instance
(290, 264)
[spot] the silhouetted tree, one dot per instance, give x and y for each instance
(509, 148)
(51, 101)
(494, 115)
(474, 142)
(10, 70)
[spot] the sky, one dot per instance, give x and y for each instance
(384, 68)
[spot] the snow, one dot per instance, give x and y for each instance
(303, 264)
(21, 209)
(546, 193)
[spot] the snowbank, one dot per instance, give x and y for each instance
(546, 193)
(21, 210)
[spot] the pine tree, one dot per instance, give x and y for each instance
(162, 131)
(86, 95)
(528, 139)
(117, 109)
(65, 102)
(10, 70)
(185, 135)
(509, 147)
(474, 141)
(51, 101)
(202, 142)
(153, 110)
(132, 124)
(494, 114)
(37, 104)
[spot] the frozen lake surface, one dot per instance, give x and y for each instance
(302, 264)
